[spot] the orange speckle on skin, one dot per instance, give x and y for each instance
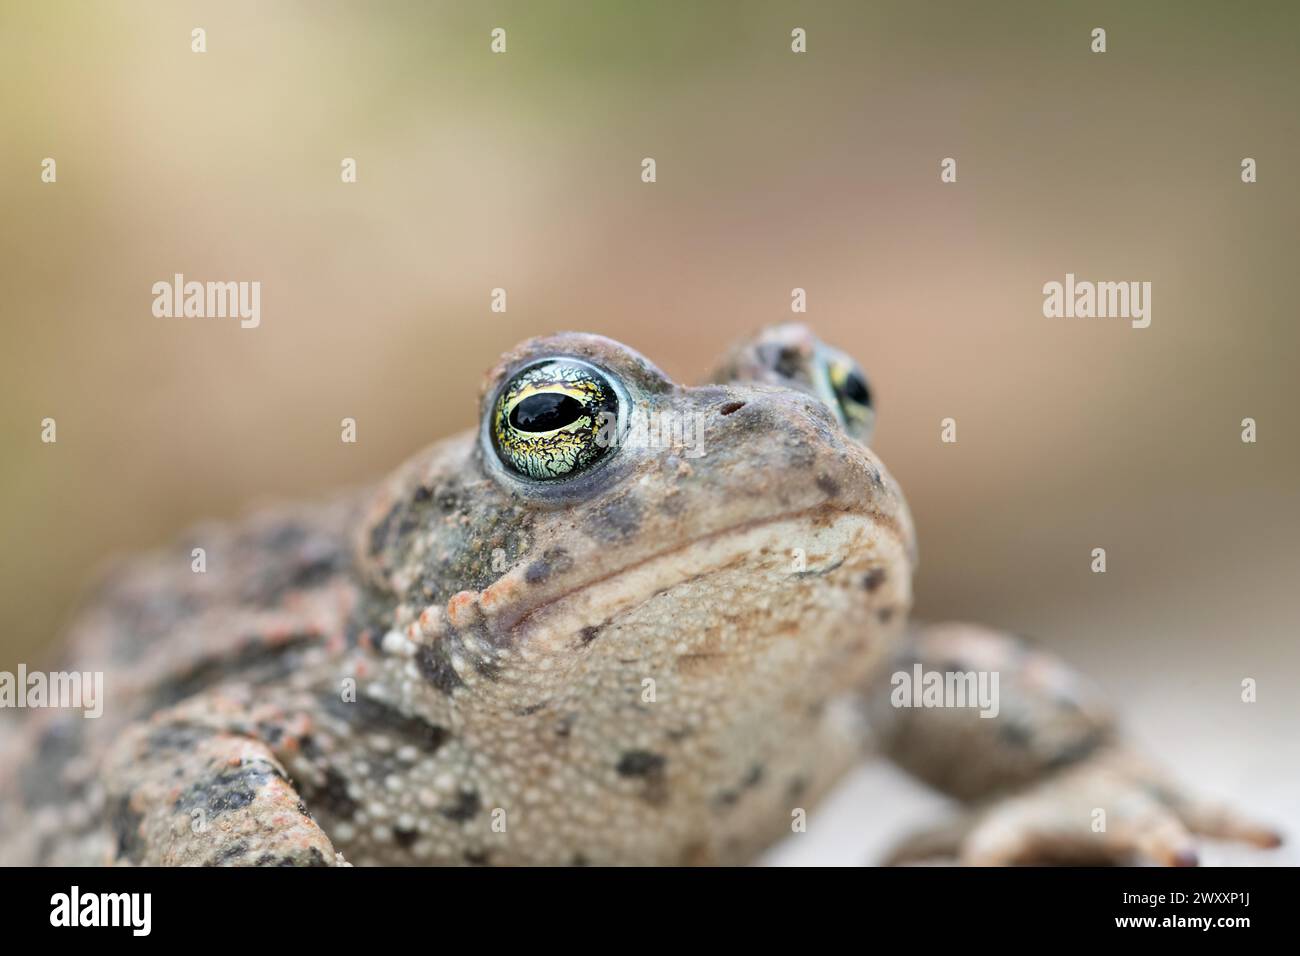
(503, 590)
(459, 605)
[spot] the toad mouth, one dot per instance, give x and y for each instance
(631, 585)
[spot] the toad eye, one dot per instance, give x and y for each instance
(852, 395)
(555, 419)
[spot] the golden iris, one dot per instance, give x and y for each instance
(554, 419)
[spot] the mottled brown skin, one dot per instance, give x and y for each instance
(658, 661)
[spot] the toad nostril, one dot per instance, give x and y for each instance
(730, 407)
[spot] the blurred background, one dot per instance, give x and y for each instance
(775, 170)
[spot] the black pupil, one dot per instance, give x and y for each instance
(855, 389)
(545, 412)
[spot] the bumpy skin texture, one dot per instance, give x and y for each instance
(657, 661)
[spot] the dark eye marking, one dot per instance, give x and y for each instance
(545, 412)
(849, 395)
(855, 388)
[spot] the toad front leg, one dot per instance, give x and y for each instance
(195, 786)
(1046, 777)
